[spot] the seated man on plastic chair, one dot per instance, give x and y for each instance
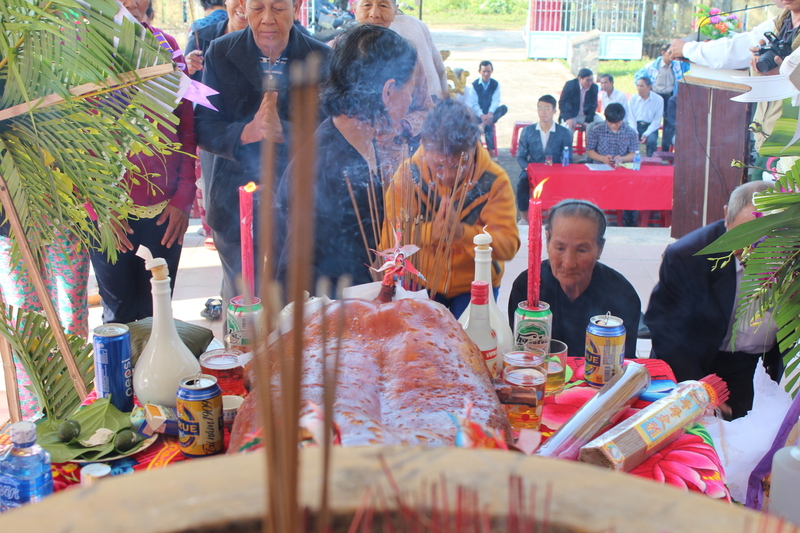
(483, 97)
(647, 109)
(612, 142)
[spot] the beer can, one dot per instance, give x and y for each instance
(244, 319)
(533, 326)
(200, 416)
(113, 367)
(605, 349)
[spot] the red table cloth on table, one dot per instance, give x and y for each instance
(690, 462)
(647, 189)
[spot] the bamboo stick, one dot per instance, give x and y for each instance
(261, 361)
(88, 90)
(29, 262)
(304, 79)
(10, 374)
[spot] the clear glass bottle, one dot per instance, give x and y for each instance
(785, 484)
(25, 474)
(165, 359)
(483, 272)
(479, 328)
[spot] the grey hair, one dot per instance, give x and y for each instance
(742, 196)
(580, 209)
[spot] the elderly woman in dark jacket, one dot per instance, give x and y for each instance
(370, 85)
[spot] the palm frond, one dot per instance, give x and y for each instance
(34, 345)
(771, 280)
(69, 148)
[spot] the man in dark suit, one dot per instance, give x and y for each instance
(578, 102)
(692, 309)
(546, 138)
(238, 65)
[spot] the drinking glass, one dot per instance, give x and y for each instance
(524, 409)
(234, 341)
(227, 366)
(556, 363)
(548, 160)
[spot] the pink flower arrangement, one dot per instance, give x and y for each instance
(713, 24)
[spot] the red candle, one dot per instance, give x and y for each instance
(246, 193)
(535, 245)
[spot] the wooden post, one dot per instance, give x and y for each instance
(10, 373)
(35, 274)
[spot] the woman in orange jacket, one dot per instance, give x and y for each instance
(447, 193)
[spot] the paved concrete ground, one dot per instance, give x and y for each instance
(635, 252)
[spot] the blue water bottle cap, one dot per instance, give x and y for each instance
(23, 434)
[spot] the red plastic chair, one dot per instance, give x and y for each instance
(518, 127)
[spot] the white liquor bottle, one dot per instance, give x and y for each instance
(483, 272)
(165, 359)
(479, 328)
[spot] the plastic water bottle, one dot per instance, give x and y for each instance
(25, 474)
(637, 160)
(565, 156)
(785, 483)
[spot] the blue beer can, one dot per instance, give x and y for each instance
(113, 367)
(200, 423)
(605, 349)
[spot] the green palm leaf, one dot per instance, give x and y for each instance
(59, 158)
(81, 88)
(35, 347)
(771, 280)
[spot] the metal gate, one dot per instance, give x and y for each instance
(552, 23)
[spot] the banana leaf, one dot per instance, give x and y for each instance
(782, 134)
(34, 345)
(100, 414)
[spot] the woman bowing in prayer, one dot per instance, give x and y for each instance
(369, 87)
(575, 285)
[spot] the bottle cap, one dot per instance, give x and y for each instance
(23, 433)
(480, 292)
(157, 266)
(482, 239)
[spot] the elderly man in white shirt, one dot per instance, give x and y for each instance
(483, 97)
(647, 109)
(610, 95)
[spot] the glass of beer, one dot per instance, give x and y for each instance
(227, 366)
(524, 409)
(235, 341)
(556, 363)
(523, 355)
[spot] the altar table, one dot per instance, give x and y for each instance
(689, 463)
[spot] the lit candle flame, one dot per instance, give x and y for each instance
(537, 192)
(251, 187)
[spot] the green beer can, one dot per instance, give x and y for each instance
(244, 319)
(533, 326)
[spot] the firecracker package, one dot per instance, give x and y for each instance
(629, 444)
